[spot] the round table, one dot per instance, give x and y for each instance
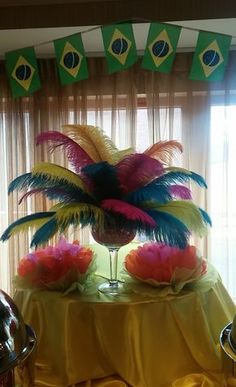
(147, 338)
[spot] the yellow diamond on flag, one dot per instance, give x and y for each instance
(23, 72)
(161, 48)
(119, 46)
(71, 59)
(211, 58)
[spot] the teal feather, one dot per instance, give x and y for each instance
(44, 233)
(20, 182)
(206, 218)
(198, 179)
(39, 215)
(153, 191)
(169, 229)
(104, 180)
(52, 188)
(180, 176)
(64, 193)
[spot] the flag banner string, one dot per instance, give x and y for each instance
(209, 59)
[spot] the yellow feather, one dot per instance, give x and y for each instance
(24, 227)
(55, 172)
(75, 212)
(57, 206)
(94, 142)
(185, 211)
(177, 169)
(121, 154)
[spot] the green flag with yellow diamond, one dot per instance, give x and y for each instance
(119, 46)
(22, 70)
(71, 59)
(210, 57)
(161, 47)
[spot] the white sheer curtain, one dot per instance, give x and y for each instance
(223, 192)
(135, 108)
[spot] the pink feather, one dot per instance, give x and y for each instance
(179, 191)
(76, 155)
(129, 211)
(137, 170)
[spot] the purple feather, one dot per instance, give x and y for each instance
(30, 193)
(137, 170)
(180, 191)
(76, 155)
(51, 193)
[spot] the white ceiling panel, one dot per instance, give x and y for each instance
(42, 38)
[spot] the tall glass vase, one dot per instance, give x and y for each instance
(113, 237)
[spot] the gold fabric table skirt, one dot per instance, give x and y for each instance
(146, 338)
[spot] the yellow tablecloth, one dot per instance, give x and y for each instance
(147, 339)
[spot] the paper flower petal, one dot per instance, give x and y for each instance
(56, 267)
(160, 264)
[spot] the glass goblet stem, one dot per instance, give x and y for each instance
(113, 257)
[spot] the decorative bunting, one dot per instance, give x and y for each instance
(210, 57)
(209, 61)
(22, 70)
(161, 47)
(71, 60)
(120, 47)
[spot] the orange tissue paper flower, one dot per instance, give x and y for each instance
(56, 267)
(162, 264)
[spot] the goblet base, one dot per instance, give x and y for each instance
(113, 288)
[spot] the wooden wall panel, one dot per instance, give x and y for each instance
(16, 14)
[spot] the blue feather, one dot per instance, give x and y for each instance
(175, 177)
(44, 233)
(206, 217)
(25, 219)
(52, 188)
(28, 180)
(20, 182)
(69, 195)
(198, 179)
(64, 193)
(153, 191)
(104, 180)
(158, 189)
(169, 229)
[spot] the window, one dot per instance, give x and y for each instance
(223, 193)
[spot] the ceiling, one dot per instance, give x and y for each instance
(42, 38)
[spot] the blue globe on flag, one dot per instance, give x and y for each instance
(71, 60)
(160, 48)
(23, 72)
(119, 46)
(211, 58)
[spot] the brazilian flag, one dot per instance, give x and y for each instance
(210, 57)
(71, 59)
(119, 46)
(161, 47)
(22, 70)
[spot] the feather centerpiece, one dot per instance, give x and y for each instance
(107, 187)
